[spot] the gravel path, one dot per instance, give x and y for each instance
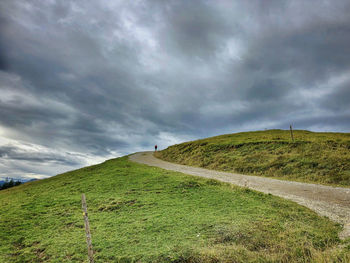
(333, 202)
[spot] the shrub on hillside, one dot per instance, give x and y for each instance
(9, 183)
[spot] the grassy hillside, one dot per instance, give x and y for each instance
(145, 214)
(313, 157)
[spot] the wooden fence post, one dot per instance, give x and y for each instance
(87, 230)
(291, 132)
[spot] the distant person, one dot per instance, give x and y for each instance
(155, 147)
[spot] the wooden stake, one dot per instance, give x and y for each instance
(87, 230)
(291, 132)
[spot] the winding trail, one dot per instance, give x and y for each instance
(333, 202)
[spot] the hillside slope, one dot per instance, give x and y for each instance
(146, 214)
(313, 157)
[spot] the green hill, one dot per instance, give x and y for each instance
(313, 156)
(145, 214)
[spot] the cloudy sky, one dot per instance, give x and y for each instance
(83, 81)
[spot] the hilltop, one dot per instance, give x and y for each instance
(314, 157)
(145, 214)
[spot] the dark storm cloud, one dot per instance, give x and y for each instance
(16, 153)
(106, 78)
(195, 30)
(3, 62)
(338, 99)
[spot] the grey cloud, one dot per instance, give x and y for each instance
(196, 30)
(16, 153)
(108, 78)
(338, 100)
(3, 62)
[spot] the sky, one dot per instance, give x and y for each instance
(88, 80)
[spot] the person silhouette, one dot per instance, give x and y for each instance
(155, 147)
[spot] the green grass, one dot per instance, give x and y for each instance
(313, 157)
(145, 214)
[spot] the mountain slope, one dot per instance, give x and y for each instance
(313, 157)
(146, 214)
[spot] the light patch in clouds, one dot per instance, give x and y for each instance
(35, 158)
(166, 139)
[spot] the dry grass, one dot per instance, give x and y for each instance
(313, 157)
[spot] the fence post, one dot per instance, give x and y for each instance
(291, 132)
(87, 230)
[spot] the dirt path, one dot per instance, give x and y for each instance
(333, 202)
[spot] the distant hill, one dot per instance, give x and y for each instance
(315, 157)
